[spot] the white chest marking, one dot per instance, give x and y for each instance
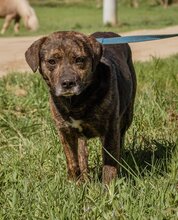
(76, 124)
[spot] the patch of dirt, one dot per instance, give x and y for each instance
(145, 51)
(12, 49)
(12, 52)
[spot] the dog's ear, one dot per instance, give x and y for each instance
(97, 51)
(32, 54)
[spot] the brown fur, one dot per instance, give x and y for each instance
(92, 90)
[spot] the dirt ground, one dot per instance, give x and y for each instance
(12, 49)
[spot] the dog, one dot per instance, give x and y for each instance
(92, 90)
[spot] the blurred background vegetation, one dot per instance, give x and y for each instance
(87, 16)
(132, 3)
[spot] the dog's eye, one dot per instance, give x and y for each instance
(52, 62)
(80, 60)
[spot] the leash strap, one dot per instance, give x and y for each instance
(134, 39)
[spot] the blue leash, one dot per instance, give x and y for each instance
(134, 39)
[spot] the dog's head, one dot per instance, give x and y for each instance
(66, 60)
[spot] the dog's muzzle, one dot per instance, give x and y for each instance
(68, 84)
(68, 87)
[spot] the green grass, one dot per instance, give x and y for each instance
(33, 179)
(87, 18)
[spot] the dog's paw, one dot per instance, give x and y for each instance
(109, 174)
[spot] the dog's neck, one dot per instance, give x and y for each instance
(82, 103)
(76, 101)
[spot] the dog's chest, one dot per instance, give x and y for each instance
(86, 121)
(77, 124)
(83, 127)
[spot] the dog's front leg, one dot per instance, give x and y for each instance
(83, 158)
(69, 142)
(111, 154)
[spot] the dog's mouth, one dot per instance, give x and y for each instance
(77, 90)
(68, 94)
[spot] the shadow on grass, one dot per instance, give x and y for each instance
(150, 157)
(154, 157)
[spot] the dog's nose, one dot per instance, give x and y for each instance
(68, 83)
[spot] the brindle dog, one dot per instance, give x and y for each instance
(92, 91)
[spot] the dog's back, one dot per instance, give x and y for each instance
(120, 58)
